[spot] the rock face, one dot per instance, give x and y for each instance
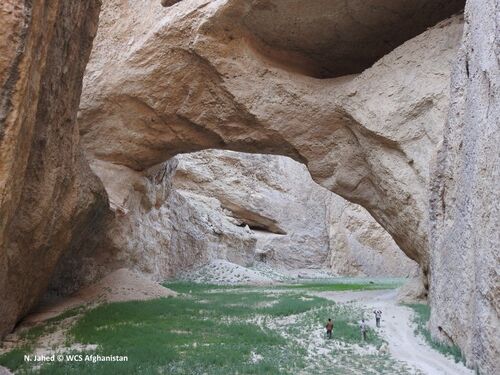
(274, 196)
(49, 199)
(237, 207)
(154, 230)
(233, 206)
(213, 74)
(359, 246)
(465, 208)
(296, 223)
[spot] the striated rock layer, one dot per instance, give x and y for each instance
(50, 202)
(465, 198)
(216, 74)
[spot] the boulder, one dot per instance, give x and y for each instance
(413, 291)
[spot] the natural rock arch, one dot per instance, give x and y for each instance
(204, 75)
(248, 95)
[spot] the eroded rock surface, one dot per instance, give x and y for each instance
(154, 230)
(238, 207)
(50, 202)
(465, 199)
(168, 80)
(297, 223)
(359, 246)
(323, 38)
(274, 196)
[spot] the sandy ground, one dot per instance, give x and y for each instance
(118, 286)
(397, 327)
(121, 285)
(398, 330)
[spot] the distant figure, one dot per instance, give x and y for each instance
(363, 328)
(329, 328)
(378, 315)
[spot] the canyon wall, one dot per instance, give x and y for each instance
(231, 74)
(50, 202)
(156, 230)
(296, 223)
(465, 198)
(274, 196)
(359, 246)
(223, 74)
(243, 208)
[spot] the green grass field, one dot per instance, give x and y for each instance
(329, 286)
(211, 329)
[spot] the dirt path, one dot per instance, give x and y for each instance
(397, 329)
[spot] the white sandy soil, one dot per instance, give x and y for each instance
(398, 330)
(118, 286)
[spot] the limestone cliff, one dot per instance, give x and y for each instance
(274, 196)
(154, 230)
(232, 206)
(359, 246)
(297, 224)
(50, 202)
(465, 198)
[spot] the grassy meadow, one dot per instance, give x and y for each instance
(210, 329)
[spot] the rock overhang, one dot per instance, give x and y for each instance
(332, 38)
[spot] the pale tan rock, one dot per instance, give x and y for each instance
(297, 223)
(50, 202)
(359, 246)
(232, 206)
(285, 211)
(465, 199)
(413, 291)
(200, 75)
(118, 286)
(155, 230)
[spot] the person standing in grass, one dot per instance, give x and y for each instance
(329, 328)
(363, 328)
(378, 315)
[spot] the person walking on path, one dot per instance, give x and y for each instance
(329, 328)
(378, 316)
(363, 328)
